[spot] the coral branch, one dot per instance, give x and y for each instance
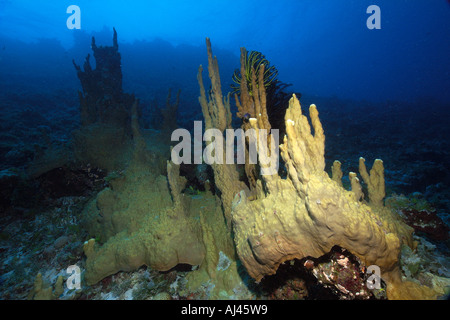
(336, 172)
(216, 112)
(374, 181)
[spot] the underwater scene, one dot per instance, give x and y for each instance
(224, 150)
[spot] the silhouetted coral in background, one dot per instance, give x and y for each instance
(103, 99)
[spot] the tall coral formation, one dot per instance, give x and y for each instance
(169, 121)
(102, 99)
(144, 218)
(216, 111)
(176, 182)
(104, 138)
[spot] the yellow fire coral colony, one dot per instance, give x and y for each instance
(308, 213)
(145, 219)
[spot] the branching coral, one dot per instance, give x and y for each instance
(308, 213)
(374, 181)
(216, 111)
(41, 291)
(304, 215)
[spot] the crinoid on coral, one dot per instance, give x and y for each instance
(253, 60)
(276, 98)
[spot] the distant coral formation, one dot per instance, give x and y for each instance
(105, 137)
(102, 99)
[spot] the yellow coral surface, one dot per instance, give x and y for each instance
(308, 213)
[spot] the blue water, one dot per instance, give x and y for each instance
(323, 48)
